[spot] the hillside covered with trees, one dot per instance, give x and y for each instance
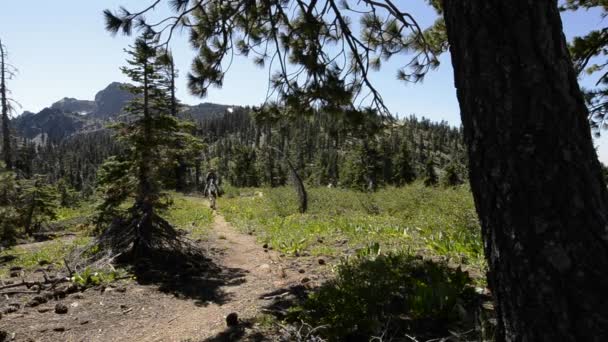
(316, 214)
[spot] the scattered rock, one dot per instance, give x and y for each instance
(59, 293)
(61, 309)
(305, 280)
(44, 310)
(73, 288)
(9, 310)
(123, 306)
(321, 262)
(264, 266)
(302, 270)
(34, 302)
(59, 329)
(232, 319)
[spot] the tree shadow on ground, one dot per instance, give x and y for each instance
(281, 300)
(187, 274)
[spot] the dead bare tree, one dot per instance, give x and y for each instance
(7, 72)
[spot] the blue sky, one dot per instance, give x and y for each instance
(61, 49)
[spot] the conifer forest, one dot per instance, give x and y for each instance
(304, 170)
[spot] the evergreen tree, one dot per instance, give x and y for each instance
(242, 170)
(589, 54)
(404, 171)
(266, 118)
(430, 175)
(37, 203)
(183, 150)
(450, 176)
(68, 196)
(354, 172)
(149, 131)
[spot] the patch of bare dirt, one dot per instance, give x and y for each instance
(174, 303)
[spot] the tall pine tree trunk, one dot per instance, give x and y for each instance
(534, 172)
(144, 200)
(6, 137)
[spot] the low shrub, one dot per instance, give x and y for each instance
(390, 295)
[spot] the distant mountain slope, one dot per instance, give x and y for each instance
(51, 124)
(72, 105)
(69, 115)
(111, 101)
(204, 111)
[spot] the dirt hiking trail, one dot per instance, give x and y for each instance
(262, 273)
(243, 278)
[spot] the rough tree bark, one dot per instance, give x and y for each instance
(6, 137)
(534, 172)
